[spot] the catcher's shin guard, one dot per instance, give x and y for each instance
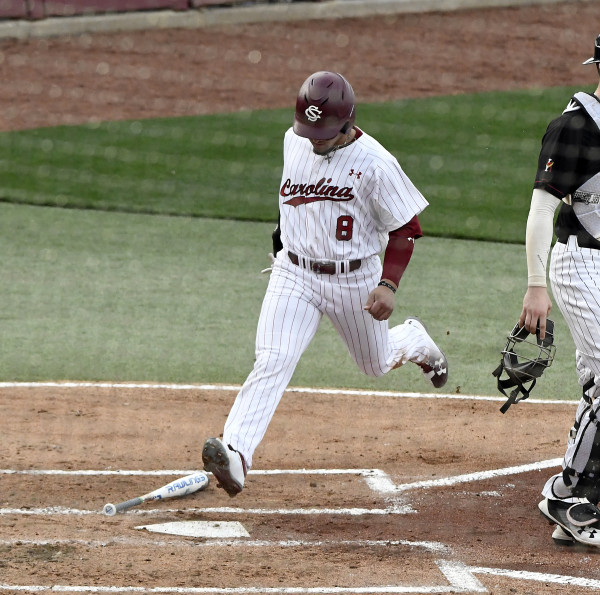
(581, 474)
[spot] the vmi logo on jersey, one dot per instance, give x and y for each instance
(304, 193)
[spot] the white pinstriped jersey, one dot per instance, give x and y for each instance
(341, 206)
(335, 207)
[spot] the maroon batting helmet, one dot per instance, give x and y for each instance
(325, 106)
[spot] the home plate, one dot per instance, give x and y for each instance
(210, 529)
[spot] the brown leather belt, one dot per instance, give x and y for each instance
(324, 267)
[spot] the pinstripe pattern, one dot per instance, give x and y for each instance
(335, 207)
(384, 198)
(575, 279)
(295, 302)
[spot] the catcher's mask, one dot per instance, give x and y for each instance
(524, 361)
(595, 59)
(325, 106)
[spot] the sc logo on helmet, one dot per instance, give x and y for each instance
(313, 113)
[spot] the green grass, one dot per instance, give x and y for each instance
(473, 156)
(152, 272)
(125, 297)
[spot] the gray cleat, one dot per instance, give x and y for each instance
(581, 521)
(227, 465)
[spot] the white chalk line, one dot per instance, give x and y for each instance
(370, 474)
(431, 546)
(460, 577)
(460, 580)
(241, 590)
(557, 579)
(59, 510)
(310, 390)
(476, 476)
(125, 472)
(376, 479)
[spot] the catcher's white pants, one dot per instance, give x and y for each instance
(294, 304)
(575, 279)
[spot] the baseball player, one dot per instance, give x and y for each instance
(569, 175)
(343, 200)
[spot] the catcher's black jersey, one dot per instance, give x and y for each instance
(570, 155)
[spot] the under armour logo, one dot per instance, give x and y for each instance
(589, 533)
(549, 165)
(313, 113)
(357, 175)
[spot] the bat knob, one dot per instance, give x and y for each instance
(109, 509)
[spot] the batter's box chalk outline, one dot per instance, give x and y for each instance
(377, 480)
(461, 579)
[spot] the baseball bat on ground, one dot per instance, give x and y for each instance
(175, 489)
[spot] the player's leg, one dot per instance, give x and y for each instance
(580, 477)
(287, 323)
(571, 496)
(575, 278)
(344, 297)
(374, 347)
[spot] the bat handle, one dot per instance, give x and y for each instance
(112, 509)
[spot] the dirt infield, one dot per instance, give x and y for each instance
(149, 74)
(350, 493)
(397, 494)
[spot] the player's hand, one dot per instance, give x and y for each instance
(380, 303)
(536, 306)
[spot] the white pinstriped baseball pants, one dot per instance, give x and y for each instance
(575, 279)
(294, 304)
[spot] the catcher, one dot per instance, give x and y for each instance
(568, 175)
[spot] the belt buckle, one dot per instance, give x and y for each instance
(318, 266)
